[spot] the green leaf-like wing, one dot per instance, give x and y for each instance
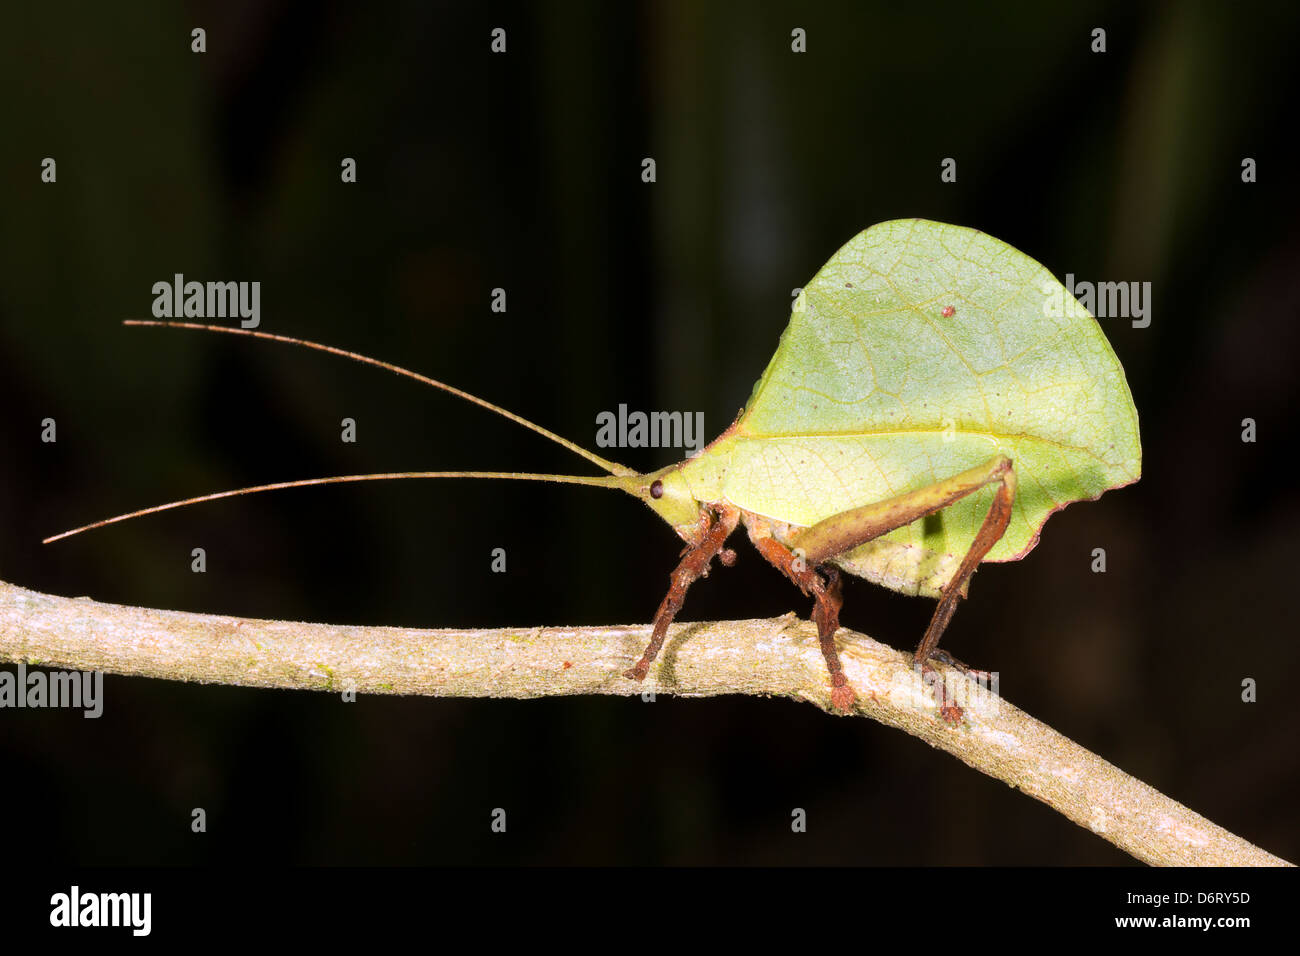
(919, 351)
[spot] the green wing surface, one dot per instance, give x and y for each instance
(874, 391)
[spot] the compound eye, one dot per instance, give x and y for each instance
(657, 489)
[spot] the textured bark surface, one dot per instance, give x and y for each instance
(778, 656)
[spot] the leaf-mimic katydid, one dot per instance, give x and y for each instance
(929, 371)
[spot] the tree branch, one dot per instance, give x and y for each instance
(765, 657)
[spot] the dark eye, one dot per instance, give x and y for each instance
(657, 489)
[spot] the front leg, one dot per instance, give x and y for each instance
(718, 521)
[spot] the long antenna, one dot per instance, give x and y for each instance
(612, 467)
(600, 481)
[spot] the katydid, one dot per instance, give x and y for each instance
(936, 396)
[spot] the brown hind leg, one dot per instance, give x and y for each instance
(841, 533)
(995, 524)
(694, 565)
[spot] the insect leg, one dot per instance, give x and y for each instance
(843, 532)
(848, 529)
(693, 565)
(826, 590)
(995, 524)
(826, 615)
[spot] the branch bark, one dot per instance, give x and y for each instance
(774, 657)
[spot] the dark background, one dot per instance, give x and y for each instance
(523, 171)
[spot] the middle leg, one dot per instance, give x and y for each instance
(823, 585)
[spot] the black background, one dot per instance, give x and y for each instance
(523, 171)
